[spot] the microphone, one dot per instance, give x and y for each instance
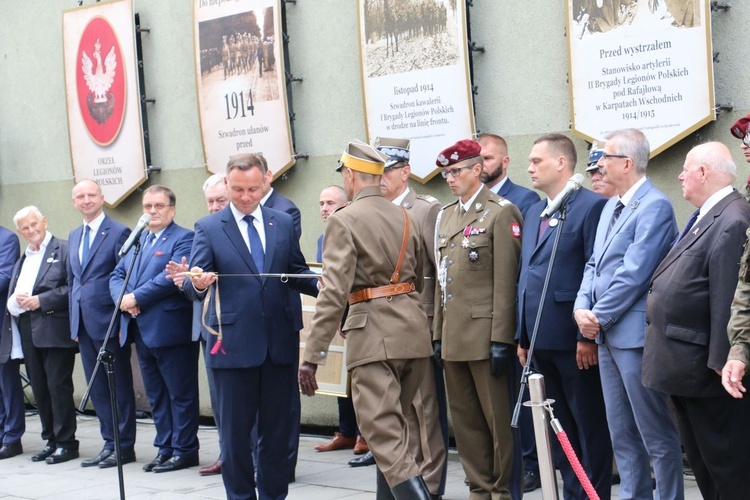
(573, 185)
(142, 224)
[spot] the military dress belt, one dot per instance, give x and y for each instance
(394, 288)
(380, 291)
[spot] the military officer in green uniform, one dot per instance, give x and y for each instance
(738, 359)
(477, 247)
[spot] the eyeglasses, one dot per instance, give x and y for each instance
(158, 206)
(454, 172)
(605, 156)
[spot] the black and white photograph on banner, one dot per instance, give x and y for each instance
(600, 16)
(645, 64)
(404, 35)
(240, 81)
(415, 76)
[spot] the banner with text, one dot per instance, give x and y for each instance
(241, 82)
(101, 90)
(644, 65)
(415, 75)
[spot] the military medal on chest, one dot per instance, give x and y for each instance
(465, 241)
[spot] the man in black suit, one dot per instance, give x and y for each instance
(12, 418)
(93, 248)
(38, 311)
(687, 312)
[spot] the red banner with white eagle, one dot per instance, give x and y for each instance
(101, 86)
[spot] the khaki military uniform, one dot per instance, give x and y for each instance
(388, 340)
(739, 323)
(425, 432)
(475, 300)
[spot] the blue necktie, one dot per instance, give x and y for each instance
(256, 247)
(689, 225)
(86, 244)
(615, 216)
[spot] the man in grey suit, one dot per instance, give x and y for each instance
(687, 313)
(635, 232)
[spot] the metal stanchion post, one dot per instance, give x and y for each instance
(538, 401)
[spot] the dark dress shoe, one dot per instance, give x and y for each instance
(531, 480)
(366, 459)
(211, 470)
(103, 455)
(10, 450)
(160, 459)
(111, 461)
(42, 455)
(176, 463)
(61, 455)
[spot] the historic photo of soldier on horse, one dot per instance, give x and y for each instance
(406, 35)
(600, 16)
(240, 51)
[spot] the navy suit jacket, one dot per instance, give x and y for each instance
(166, 315)
(257, 317)
(50, 326)
(520, 196)
(615, 282)
(283, 204)
(89, 285)
(9, 251)
(557, 329)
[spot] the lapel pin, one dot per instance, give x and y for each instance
(634, 205)
(552, 222)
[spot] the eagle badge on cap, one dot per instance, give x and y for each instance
(443, 160)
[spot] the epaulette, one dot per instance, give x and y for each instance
(428, 198)
(502, 202)
(449, 204)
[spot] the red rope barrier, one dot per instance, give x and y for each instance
(576, 465)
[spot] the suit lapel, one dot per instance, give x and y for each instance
(627, 212)
(51, 255)
(74, 244)
(552, 229)
(701, 227)
(98, 239)
(270, 227)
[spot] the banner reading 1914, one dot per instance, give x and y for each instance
(415, 76)
(101, 88)
(241, 82)
(644, 64)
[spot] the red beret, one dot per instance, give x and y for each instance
(460, 151)
(741, 127)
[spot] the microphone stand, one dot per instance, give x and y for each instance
(527, 368)
(108, 358)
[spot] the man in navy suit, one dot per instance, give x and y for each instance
(159, 318)
(12, 418)
(495, 173)
(567, 360)
(635, 232)
(272, 199)
(93, 248)
(688, 310)
(37, 316)
(255, 350)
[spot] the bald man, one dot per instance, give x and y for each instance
(687, 312)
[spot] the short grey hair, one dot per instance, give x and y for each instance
(213, 181)
(25, 212)
(632, 143)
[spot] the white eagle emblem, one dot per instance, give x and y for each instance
(100, 80)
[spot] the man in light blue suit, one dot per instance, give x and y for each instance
(255, 360)
(93, 248)
(635, 232)
(159, 318)
(567, 361)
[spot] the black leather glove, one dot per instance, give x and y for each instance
(501, 356)
(437, 352)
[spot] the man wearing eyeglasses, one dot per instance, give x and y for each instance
(594, 173)
(159, 320)
(635, 232)
(477, 247)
